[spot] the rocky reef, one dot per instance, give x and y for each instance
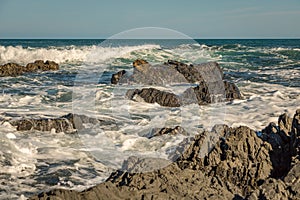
(244, 164)
(14, 69)
(206, 80)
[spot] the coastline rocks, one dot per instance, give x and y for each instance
(69, 123)
(40, 65)
(240, 166)
(152, 95)
(167, 131)
(208, 77)
(13, 69)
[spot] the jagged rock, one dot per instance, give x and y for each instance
(271, 189)
(69, 123)
(117, 76)
(13, 69)
(239, 166)
(210, 87)
(59, 124)
(292, 180)
(152, 95)
(166, 131)
(40, 65)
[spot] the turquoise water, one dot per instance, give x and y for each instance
(266, 71)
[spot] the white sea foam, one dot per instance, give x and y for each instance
(68, 54)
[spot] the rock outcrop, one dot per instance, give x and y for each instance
(208, 77)
(152, 95)
(69, 123)
(240, 166)
(13, 69)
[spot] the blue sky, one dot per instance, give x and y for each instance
(196, 18)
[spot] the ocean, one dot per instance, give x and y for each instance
(267, 72)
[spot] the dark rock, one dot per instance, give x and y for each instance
(245, 172)
(231, 91)
(11, 69)
(40, 65)
(152, 95)
(59, 124)
(292, 180)
(117, 76)
(208, 76)
(69, 123)
(166, 131)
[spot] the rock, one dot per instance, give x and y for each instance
(152, 95)
(166, 131)
(239, 166)
(117, 76)
(59, 124)
(211, 87)
(271, 189)
(141, 65)
(40, 65)
(11, 69)
(69, 123)
(292, 180)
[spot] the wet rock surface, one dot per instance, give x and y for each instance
(208, 77)
(69, 123)
(243, 164)
(152, 95)
(13, 69)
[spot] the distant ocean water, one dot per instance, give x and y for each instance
(267, 71)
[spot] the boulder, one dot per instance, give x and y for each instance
(69, 123)
(152, 95)
(117, 76)
(40, 65)
(166, 131)
(11, 69)
(211, 87)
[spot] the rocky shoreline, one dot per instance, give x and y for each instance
(244, 164)
(14, 69)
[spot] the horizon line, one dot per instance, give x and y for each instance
(204, 38)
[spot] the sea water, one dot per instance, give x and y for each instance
(267, 73)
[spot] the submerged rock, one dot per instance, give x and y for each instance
(13, 69)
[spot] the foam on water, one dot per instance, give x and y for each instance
(33, 161)
(68, 54)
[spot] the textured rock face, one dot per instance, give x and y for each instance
(152, 95)
(13, 69)
(208, 77)
(240, 166)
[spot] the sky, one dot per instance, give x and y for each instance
(104, 18)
